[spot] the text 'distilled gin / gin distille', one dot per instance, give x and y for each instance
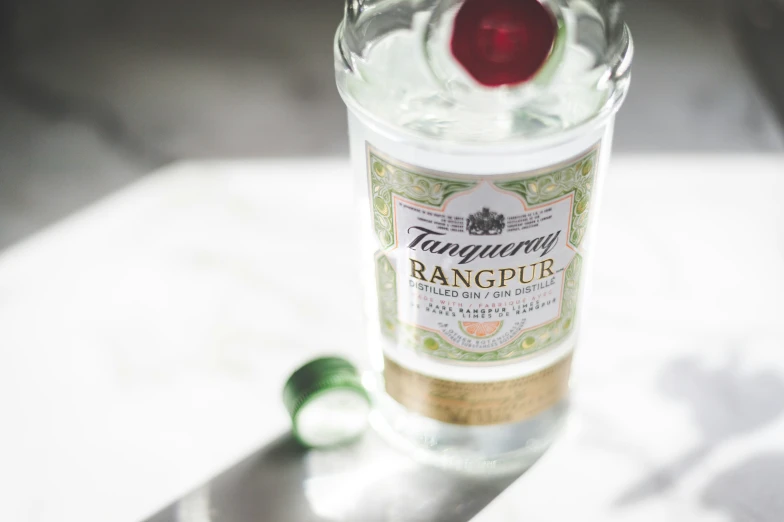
(480, 134)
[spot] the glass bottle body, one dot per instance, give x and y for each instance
(476, 208)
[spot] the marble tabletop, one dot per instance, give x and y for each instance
(145, 341)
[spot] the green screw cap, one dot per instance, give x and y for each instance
(327, 402)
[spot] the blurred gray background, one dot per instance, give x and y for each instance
(97, 93)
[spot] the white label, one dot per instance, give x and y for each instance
(479, 268)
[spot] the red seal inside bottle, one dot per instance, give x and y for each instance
(503, 42)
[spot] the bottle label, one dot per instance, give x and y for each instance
(478, 403)
(479, 269)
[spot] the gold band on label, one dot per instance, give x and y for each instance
(478, 403)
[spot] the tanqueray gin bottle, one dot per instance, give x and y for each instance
(480, 134)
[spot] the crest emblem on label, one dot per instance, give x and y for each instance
(485, 222)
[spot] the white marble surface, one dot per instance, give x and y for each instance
(145, 342)
(679, 391)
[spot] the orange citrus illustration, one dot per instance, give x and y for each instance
(481, 329)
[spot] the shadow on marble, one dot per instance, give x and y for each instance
(362, 482)
(750, 491)
(724, 403)
(54, 105)
(759, 26)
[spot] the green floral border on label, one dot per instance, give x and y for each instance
(577, 178)
(386, 180)
(386, 281)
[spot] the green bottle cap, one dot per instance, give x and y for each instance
(327, 402)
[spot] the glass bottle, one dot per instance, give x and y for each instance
(480, 133)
